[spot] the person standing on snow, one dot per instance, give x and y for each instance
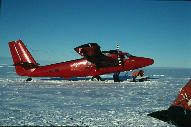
(138, 73)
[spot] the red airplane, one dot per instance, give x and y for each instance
(179, 113)
(94, 63)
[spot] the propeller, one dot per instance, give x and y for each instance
(118, 56)
(117, 48)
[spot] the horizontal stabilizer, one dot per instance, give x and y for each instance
(26, 65)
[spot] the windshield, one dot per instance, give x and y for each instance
(128, 54)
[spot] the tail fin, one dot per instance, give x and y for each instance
(184, 97)
(179, 113)
(23, 61)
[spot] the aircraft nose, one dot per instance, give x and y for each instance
(145, 62)
(138, 62)
(149, 61)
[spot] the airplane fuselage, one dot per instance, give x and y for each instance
(83, 67)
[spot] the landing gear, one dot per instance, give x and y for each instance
(29, 79)
(96, 78)
(116, 77)
(134, 79)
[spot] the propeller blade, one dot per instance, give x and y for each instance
(117, 48)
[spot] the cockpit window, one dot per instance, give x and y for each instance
(128, 54)
(126, 57)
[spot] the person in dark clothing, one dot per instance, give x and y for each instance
(116, 77)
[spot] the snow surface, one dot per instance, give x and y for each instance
(85, 103)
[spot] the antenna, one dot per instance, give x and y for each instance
(19, 35)
(118, 57)
(117, 48)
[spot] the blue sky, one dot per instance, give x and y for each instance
(52, 28)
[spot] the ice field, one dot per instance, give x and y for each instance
(81, 102)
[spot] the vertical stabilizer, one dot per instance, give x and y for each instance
(184, 97)
(23, 61)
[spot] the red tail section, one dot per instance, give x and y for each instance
(184, 97)
(179, 113)
(23, 61)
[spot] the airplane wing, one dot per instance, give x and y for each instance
(89, 50)
(92, 52)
